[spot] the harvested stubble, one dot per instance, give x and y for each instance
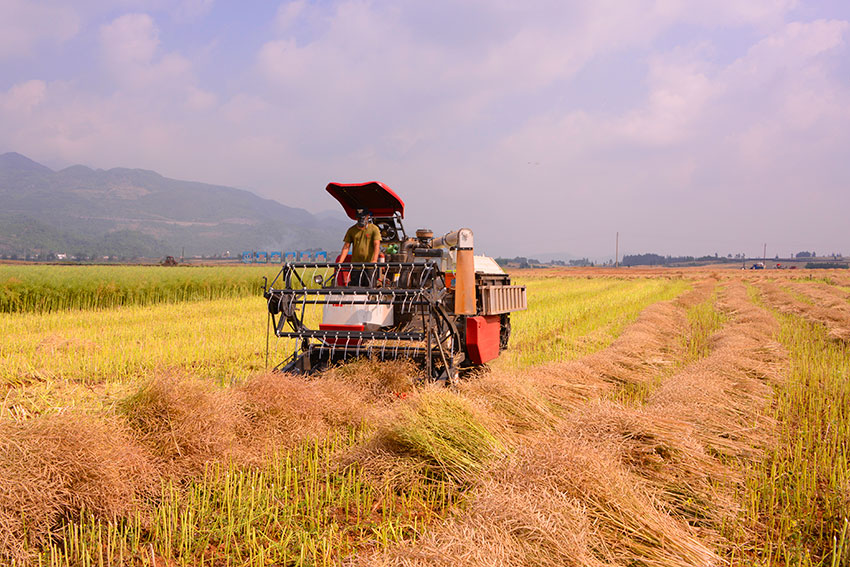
(537, 397)
(57, 466)
(444, 431)
(186, 422)
(724, 394)
(586, 480)
(570, 317)
(557, 500)
(295, 509)
(658, 483)
(722, 403)
(825, 295)
(203, 423)
(799, 498)
(835, 314)
(570, 496)
(646, 349)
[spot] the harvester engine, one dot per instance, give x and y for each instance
(427, 299)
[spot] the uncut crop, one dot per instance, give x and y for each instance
(39, 289)
(221, 339)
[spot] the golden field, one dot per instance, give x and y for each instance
(639, 417)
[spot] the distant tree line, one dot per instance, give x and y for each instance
(523, 262)
(826, 266)
(659, 260)
(652, 259)
(520, 261)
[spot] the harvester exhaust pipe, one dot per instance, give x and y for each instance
(461, 240)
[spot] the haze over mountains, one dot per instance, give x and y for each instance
(130, 213)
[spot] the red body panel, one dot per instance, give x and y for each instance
(343, 276)
(372, 195)
(482, 338)
(341, 342)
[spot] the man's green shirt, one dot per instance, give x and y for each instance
(362, 241)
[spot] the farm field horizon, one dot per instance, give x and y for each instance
(640, 416)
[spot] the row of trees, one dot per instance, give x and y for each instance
(659, 260)
(523, 262)
(651, 259)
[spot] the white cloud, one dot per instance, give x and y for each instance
(678, 94)
(193, 9)
(23, 97)
(246, 109)
(371, 61)
(130, 45)
(288, 14)
(25, 23)
(200, 100)
(762, 14)
(790, 48)
(788, 91)
(131, 39)
(756, 145)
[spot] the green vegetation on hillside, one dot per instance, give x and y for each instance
(130, 213)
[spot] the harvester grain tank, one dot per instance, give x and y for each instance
(428, 299)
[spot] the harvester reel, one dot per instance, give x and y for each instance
(415, 294)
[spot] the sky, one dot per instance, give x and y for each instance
(547, 127)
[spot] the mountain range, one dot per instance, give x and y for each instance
(132, 213)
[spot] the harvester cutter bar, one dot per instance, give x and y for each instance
(318, 357)
(363, 302)
(352, 335)
(349, 291)
(362, 296)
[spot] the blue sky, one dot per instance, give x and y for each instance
(546, 127)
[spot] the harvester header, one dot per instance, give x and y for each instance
(428, 299)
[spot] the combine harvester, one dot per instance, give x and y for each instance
(427, 299)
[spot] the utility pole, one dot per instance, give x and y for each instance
(617, 252)
(764, 256)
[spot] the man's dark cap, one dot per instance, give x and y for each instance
(363, 212)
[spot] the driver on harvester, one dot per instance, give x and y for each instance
(364, 241)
